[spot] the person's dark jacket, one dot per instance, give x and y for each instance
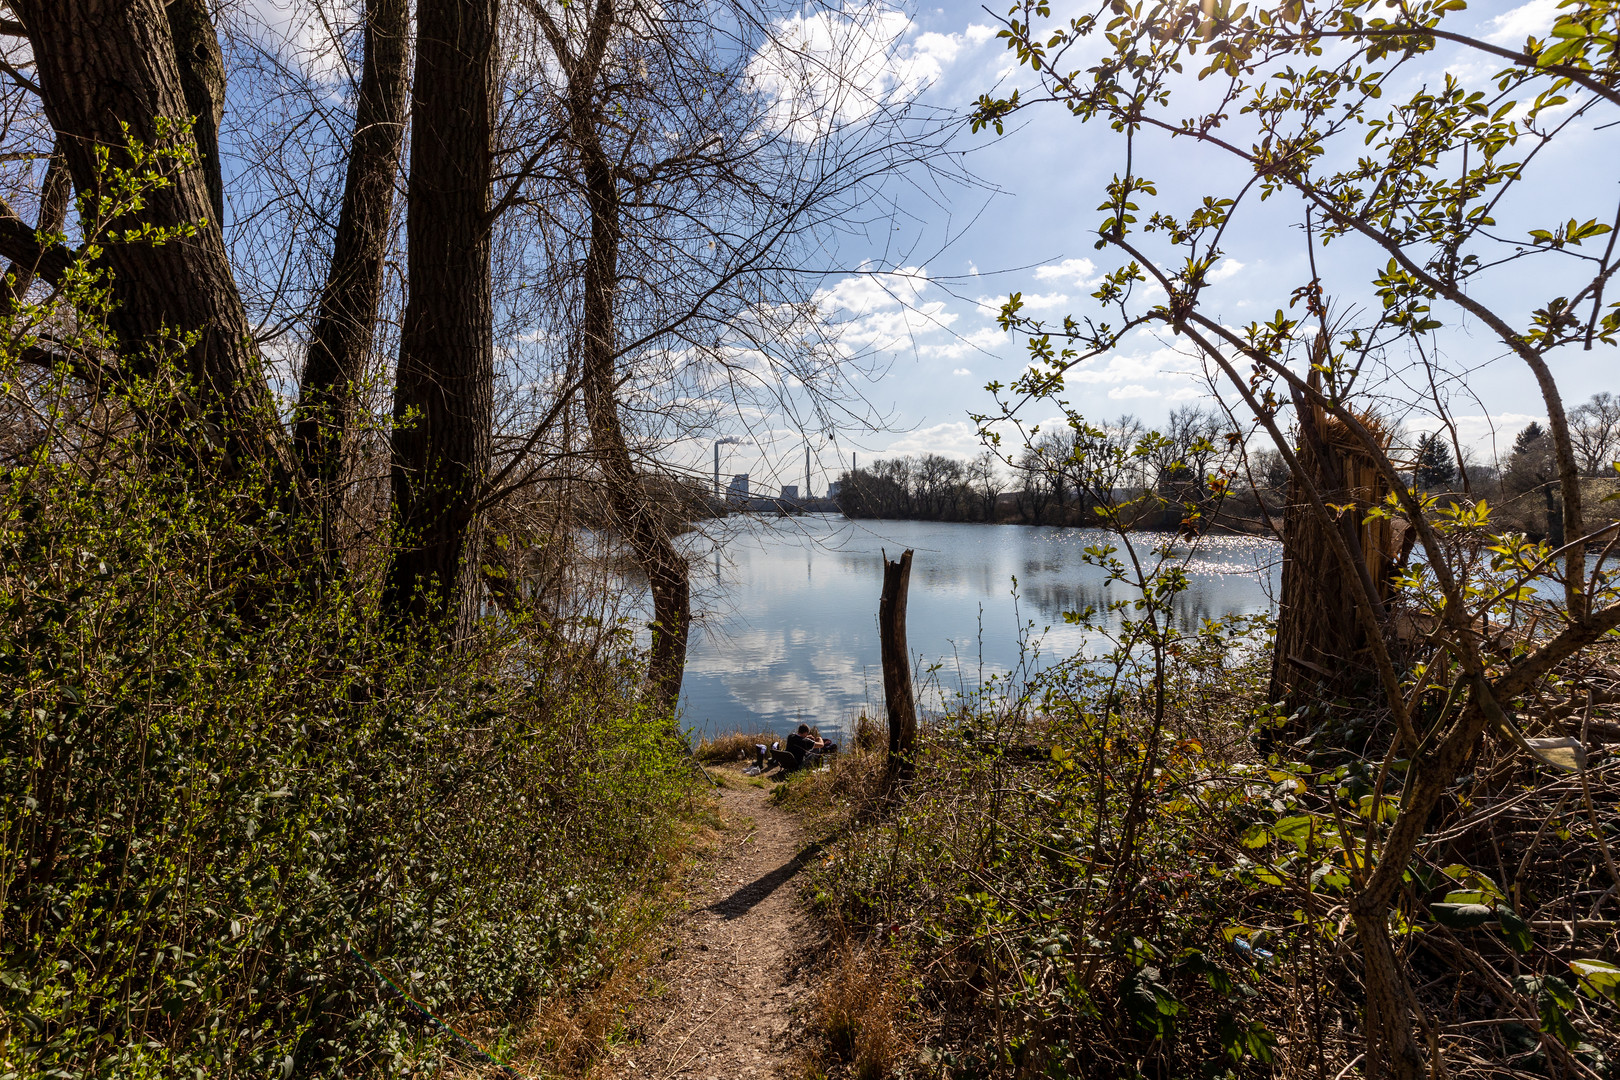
(800, 745)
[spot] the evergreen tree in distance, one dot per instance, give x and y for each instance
(1434, 465)
(1528, 439)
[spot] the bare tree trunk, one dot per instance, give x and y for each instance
(443, 398)
(202, 79)
(106, 64)
(1321, 645)
(346, 321)
(628, 502)
(897, 690)
(633, 514)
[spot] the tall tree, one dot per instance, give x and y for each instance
(1595, 429)
(345, 324)
(584, 57)
(1434, 467)
(443, 395)
(202, 80)
(109, 73)
(1533, 470)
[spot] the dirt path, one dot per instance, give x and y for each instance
(734, 983)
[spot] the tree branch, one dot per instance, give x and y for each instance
(22, 244)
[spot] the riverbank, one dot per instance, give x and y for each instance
(1152, 896)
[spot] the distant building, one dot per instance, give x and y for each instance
(739, 487)
(790, 492)
(832, 489)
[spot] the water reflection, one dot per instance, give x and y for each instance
(790, 625)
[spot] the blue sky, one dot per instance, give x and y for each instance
(954, 253)
(1031, 230)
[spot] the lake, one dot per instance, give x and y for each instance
(787, 624)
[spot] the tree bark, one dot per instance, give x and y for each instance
(443, 397)
(345, 323)
(633, 514)
(1321, 644)
(202, 80)
(55, 192)
(897, 691)
(106, 64)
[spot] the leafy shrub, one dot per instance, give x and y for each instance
(1060, 898)
(245, 829)
(216, 803)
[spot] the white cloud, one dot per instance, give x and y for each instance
(1483, 434)
(889, 330)
(836, 67)
(961, 371)
(936, 50)
(958, 439)
(1161, 373)
(1223, 270)
(295, 33)
(1512, 27)
(1079, 272)
(1123, 368)
(983, 340)
(979, 33)
(1133, 390)
(1042, 301)
(887, 311)
(867, 292)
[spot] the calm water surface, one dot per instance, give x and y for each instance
(790, 625)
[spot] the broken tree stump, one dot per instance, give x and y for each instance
(897, 690)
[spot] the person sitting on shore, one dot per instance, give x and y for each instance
(808, 747)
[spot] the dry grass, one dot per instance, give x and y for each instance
(861, 1016)
(870, 735)
(737, 746)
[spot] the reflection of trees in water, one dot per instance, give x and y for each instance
(1054, 598)
(786, 629)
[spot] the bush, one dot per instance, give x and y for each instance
(1062, 906)
(234, 810)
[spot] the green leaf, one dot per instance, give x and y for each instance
(1597, 977)
(1255, 836)
(1515, 929)
(1239, 1038)
(1553, 999)
(1296, 830)
(1150, 1003)
(1461, 916)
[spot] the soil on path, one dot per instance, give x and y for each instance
(732, 991)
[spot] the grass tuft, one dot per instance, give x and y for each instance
(735, 746)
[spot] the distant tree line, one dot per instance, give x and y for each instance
(928, 487)
(1061, 478)
(1524, 485)
(1192, 464)
(1528, 480)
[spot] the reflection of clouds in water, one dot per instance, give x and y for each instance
(790, 629)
